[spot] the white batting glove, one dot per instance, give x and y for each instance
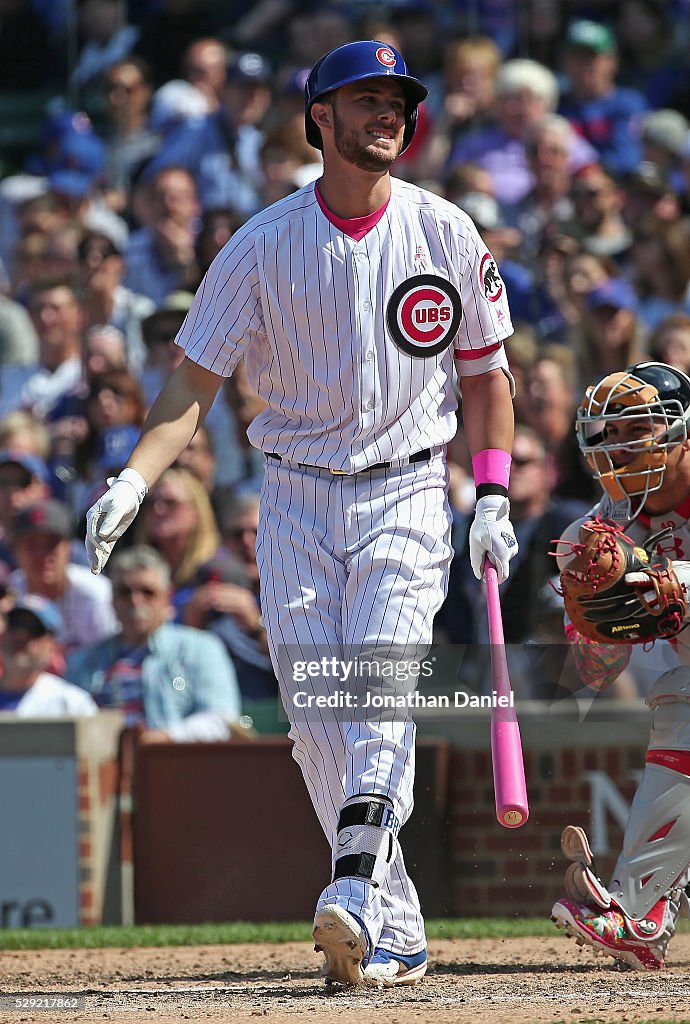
(109, 517)
(492, 536)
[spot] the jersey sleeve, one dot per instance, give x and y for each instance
(226, 314)
(486, 316)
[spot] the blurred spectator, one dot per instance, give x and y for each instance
(224, 602)
(105, 38)
(22, 432)
(107, 300)
(465, 100)
(602, 112)
(526, 93)
(648, 193)
(58, 319)
(653, 56)
(24, 481)
(204, 67)
(581, 272)
(160, 256)
(217, 227)
(159, 330)
(199, 459)
(29, 646)
(130, 139)
(177, 519)
(613, 335)
(660, 257)
(104, 350)
(551, 385)
(173, 105)
(598, 223)
(221, 150)
(239, 522)
(288, 162)
(114, 401)
(670, 341)
(27, 58)
(175, 682)
(18, 338)
(75, 179)
(42, 543)
(547, 206)
(663, 134)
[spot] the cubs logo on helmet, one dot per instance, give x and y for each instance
(385, 56)
(423, 315)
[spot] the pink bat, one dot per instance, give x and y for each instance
(512, 809)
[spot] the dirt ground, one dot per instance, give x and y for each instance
(479, 981)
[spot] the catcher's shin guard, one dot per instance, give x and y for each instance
(656, 845)
(367, 838)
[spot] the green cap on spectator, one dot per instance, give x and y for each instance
(590, 35)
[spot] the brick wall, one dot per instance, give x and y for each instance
(495, 870)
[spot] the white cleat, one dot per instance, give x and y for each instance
(343, 942)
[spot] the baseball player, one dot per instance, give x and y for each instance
(632, 428)
(348, 301)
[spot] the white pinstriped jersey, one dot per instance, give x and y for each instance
(306, 304)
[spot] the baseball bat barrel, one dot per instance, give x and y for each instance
(512, 808)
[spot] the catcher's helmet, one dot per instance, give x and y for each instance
(367, 58)
(655, 400)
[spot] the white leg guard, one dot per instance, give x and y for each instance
(367, 839)
(656, 847)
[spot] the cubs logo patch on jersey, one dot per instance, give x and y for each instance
(424, 314)
(490, 280)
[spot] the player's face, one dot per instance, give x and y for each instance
(629, 434)
(369, 122)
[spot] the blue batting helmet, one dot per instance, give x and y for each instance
(349, 63)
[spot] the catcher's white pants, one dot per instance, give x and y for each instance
(349, 563)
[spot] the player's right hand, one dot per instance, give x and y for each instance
(492, 536)
(109, 517)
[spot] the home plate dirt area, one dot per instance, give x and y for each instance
(477, 980)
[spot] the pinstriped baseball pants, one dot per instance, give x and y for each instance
(350, 564)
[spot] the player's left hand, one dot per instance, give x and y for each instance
(492, 536)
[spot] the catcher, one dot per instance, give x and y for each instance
(625, 576)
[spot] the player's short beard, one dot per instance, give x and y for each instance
(352, 150)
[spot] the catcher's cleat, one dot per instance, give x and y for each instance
(612, 931)
(581, 882)
(386, 969)
(343, 940)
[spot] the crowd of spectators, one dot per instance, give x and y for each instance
(559, 127)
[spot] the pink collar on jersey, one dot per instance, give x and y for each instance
(355, 227)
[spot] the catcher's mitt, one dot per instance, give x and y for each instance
(617, 592)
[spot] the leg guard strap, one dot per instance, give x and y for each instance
(367, 839)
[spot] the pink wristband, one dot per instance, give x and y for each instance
(491, 466)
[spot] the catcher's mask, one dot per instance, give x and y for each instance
(650, 402)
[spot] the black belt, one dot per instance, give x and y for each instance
(422, 456)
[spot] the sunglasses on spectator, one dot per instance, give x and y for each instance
(239, 531)
(118, 392)
(123, 590)
(587, 193)
(21, 481)
(167, 504)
